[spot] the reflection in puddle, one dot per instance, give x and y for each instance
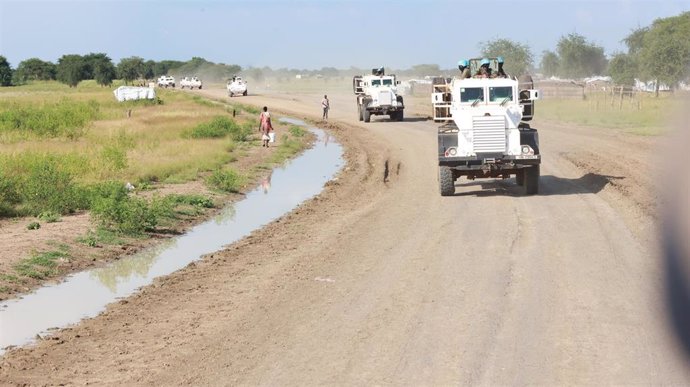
(87, 293)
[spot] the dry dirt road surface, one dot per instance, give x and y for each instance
(382, 281)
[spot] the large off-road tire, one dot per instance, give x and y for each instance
(446, 182)
(400, 115)
(231, 94)
(366, 114)
(245, 93)
(359, 112)
(531, 180)
(520, 177)
(199, 87)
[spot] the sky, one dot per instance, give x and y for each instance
(311, 34)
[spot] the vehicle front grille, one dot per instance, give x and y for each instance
(385, 98)
(489, 134)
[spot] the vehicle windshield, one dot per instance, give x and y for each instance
(376, 82)
(388, 82)
(500, 94)
(472, 94)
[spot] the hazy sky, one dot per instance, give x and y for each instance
(312, 34)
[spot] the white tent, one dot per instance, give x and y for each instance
(129, 93)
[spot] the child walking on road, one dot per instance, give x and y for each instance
(265, 127)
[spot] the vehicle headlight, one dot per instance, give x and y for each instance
(527, 150)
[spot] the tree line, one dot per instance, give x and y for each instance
(659, 52)
(72, 68)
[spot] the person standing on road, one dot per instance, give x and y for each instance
(265, 126)
(325, 104)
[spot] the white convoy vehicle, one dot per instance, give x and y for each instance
(166, 81)
(377, 95)
(191, 83)
(237, 86)
(487, 134)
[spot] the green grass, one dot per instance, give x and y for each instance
(65, 118)
(59, 141)
(643, 115)
(49, 216)
(219, 127)
(40, 265)
(226, 180)
(101, 236)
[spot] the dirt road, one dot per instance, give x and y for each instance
(382, 281)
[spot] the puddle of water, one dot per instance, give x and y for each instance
(86, 294)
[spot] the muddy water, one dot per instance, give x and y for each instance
(86, 294)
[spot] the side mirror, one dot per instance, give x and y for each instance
(397, 82)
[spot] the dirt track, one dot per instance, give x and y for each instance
(382, 281)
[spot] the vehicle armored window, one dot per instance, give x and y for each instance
(472, 94)
(500, 94)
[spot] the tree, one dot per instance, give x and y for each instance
(130, 68)
(35, 69)
(623, 69)
(549, 63)
(104, 72)
(72, 69)
(579, 58)
(518, 57)
(5, 72)
(665, 52)
(149, 69)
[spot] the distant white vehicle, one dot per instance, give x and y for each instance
(166, 81)
(237, 86)
(191, 83)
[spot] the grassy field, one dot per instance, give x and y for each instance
(642, 115)
(58, 142)
(68, 149)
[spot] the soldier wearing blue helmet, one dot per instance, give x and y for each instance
(500, 72)
(484, 69)
(464, 67)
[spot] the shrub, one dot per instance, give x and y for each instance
(116, 210)
(63, 119)
(9, 196)
(216, 128)
(33, 226)
(227, 180)
(45, 186)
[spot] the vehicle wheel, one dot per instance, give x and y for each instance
(400, 115)
(366, 114)
(531, 180)
(359, 112)
(520, 177)
(199, 87)
(245, 93)
(231, 94)
(445, 181)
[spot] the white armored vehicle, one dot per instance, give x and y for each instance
(166, 81)
(237, 86)
(191, 83)
(377, 95)
(486, 134)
